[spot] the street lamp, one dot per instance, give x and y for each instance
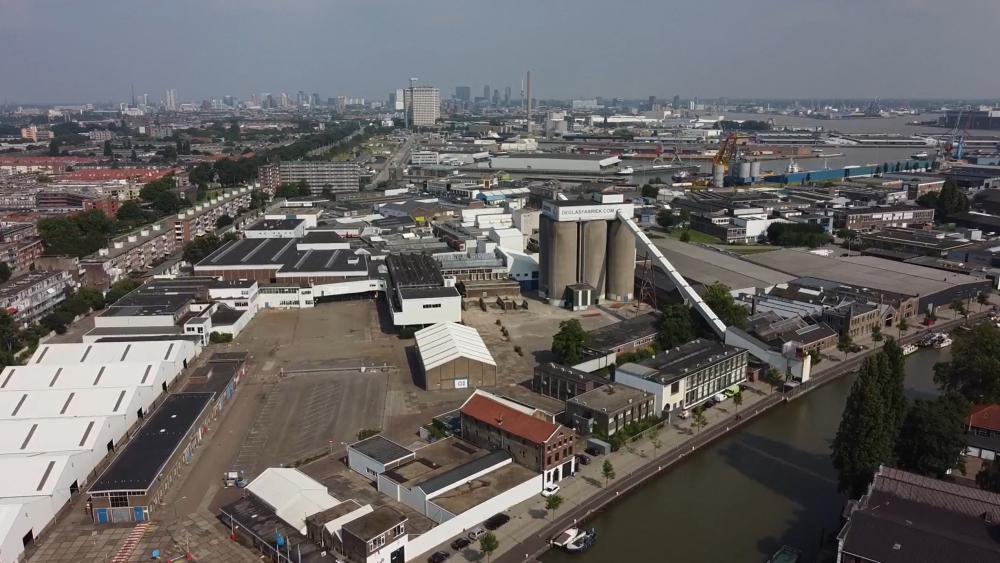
(174, 504)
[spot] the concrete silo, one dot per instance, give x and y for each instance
(562, 261)
(621, 262)
(755, 169)
(593, 255)
(544, 234)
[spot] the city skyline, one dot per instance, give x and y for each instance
(727, 49)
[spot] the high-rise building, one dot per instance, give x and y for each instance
(315, 99)
(396, 100)
(254, 100)
(463, 93)
(270, 101)
(284, 100)
(322, 176)
(496, 97)
(486, 92)
(300, 98)
(423, 105)
(145, 99)
(341, 102)
(171, 102)
(652, 102)
(677, 102)
(506, 96)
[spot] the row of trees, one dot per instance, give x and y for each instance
(949, 200)
(797, 234)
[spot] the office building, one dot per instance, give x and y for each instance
(322, 176)
(863, 219)
(423, 106)
(463, 93)
(486, 92)
(171, 102)
(506, 96)
(608, 409)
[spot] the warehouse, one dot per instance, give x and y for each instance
(374, 456)
(150, 380)
(454, 356)
(707, 267)
(139, 477)
(419, 294)
(932, 287)
(291, 495)
(280, 260)
(30, 502)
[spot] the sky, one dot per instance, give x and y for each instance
(74, 51)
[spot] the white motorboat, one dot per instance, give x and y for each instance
(909, 349)
(793, 167)
(566, 538)
(582, 541)
(942, 342)
(919, 155)
(627, 171)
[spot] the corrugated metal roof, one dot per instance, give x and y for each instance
(445, 342)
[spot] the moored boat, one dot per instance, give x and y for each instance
(909, 349)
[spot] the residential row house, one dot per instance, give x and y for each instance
(201, 219)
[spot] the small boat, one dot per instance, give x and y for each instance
(564, 539)
(817, 151)
(680, 176)
(793, 167)
(942, 342)
(909, 349)
(627, 171)
(629, 154)
(582, 541)
(785, 555)
(919, 155)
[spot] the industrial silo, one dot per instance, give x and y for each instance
(745, 169)
(621, 262)
(544, 251)
(594, 255)
(718, 175)
(755, 169)
(562, 259)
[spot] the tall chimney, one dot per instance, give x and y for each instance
(529, 102)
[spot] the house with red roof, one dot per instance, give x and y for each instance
(982, 429)
(496, 423)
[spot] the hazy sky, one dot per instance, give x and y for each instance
(88, 50)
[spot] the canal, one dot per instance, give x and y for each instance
(740, 500)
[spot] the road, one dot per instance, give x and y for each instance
(398, 161)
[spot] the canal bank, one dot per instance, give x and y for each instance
(695, 514)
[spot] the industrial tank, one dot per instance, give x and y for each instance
(621, 262)
(718, 175)
(562, 259)
(544, 252)
(755, 169)
(745, 169)
(594, 255)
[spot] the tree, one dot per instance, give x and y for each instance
(928, 200)
(718, 298)
(983, 299)
(686, 236)
(951, 200)
(488, 544)
(119, 289)
(774, 378)
(665, 218)
(958, 306)
(108, 149)
(304, 190)
(553, 503)
(131, 214)
(797, 234)
(902, 326)
(932, 436)
(93, 296)
(43, 179)
(862, 443)
(568, 344)
(656, 442)
(223, 221)
(845, 344)
(877, 334)
(76, 235)
(892, 362)
(737, 401)
(160, 194)
(698, 420)
(685, 215)
(198, 249)
(607, 471)
(974, 369)
(675, 326)
(287, 191)
(988, 477)
(5, 272)
(815, 356)
(650, 191)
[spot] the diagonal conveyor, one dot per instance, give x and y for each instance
(642, 241)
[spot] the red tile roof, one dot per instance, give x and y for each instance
(984, 416)
(501, 416)
(99, 175)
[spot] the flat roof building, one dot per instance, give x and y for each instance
(608, 409)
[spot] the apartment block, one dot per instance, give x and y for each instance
(20, 255)
(270, 178)
(423, 105)
(16, 232)
(70, 202)
(320, 176)
(863, 219)
(135, 252)
(31, 296)
(200, 219)
(19, 200)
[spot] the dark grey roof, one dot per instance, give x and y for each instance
(276, 225)
(414, 270)
(374, 523)
(687, 359)
(461, 473)
(139, 466)
(610, 398)
(567, 372)
(393, 222)
(428, 292)
(382, 450)
(629, 330)
(320, 237)
(283, 254)
(226, 316)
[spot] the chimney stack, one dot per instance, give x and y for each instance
(529, 102)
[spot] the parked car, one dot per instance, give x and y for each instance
(719, 398)
(495, 521)
(584, 460)
(460, 543)
(684, 414)
(439, 557)
(550, 490)
(729, 393)
(593, 451)
(477, 533)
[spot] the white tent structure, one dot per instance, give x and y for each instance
(454, 356)
(292, 495)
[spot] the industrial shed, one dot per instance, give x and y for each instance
(454, 356)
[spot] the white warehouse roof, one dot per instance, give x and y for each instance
(79, 376)
(108, 352)
(65, 403)
(49, 435)
(442, 343)
(293, 495)
(37, 475)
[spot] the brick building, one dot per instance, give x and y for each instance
(135, 252)
(200, 220)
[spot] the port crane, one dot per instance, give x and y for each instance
(729, 149)
(958, 132)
